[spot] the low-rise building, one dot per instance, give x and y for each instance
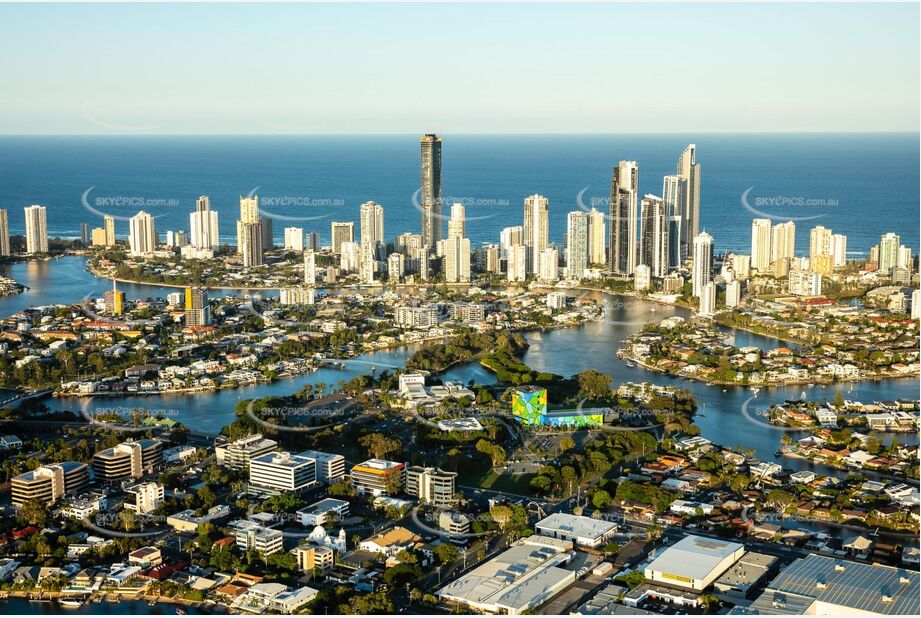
(693, 563)
(378, 477)
(49, 483)
(583, 531)
(282, 471)
(431, 485)
(318, 513)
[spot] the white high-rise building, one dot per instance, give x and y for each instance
(349, 257)
(708, 299)
(674, 194)
(372, 226)
(509, 237)
(36, 229)
(702, 262)
(549, 267)
(310, 268)
(819, 242)
(517, 266)
(642, 278)
(457, 259)
(904, 260)
(457, 225)
(142, 234)
(689, 168)
(577, 243)
(733, 294)
(916, 304)
(623, 215)
(4, 232)
(761, 244)
(783, 241)
(203, 225)
(341, 232)
(367, 262)
(888, 252)
(536, 229)
(108, 225)
(654, 236)
(839, 250)
(741, 266)
(596, 237)
(804, 282)
(294, 239)
(396, 266)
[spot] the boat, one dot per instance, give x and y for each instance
(71, 602)
(180, 611)
(631, 365)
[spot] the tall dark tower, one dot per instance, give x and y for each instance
(430, 194)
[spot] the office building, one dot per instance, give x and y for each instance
(237, 454)
(430, 189)
(49, 482)
(654, 236)
(454, 523)
(761, 245)
(204, 232)
(693, 563)
(128, 460)
(536, 229)
(197, 307)
(378, 477)
(457, 259)
(702, 262)
(577, 243)
(341, 232)
(431, 485)
(578, 530)
(623, 217)
(282, 471)
(144, 498)
(330, 466)
(689, 169)
(36, 229)
(324, 512)
(250, 535)
(294, 239)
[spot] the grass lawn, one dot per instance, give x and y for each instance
(488, 479)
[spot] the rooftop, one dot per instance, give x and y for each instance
(576, 525)
(694, 556)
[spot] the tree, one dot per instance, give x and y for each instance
(567, 444)
(594, 385)
(33, 512)
(446, 553)
(601, 499)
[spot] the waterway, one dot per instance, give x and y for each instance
(24, 606)
(565, 351)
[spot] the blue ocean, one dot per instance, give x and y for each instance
(861, 185)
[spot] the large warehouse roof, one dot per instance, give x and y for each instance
(694, 557)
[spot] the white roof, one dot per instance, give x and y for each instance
(576, 525)
(694, 556)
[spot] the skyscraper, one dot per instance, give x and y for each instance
(249, 232)
(674, 194)
(761, 244)
(197, 309)
(4, 232)
(430, 188)
(888, 251)
(702, 262)
(596, 237)
(577, 243)
(36, 229)
(536, 228)
(268, 235)
(654, 236)
(340, 232)
(839, 250)
(690, 170)
(517, 266)
(366, 263)
(819, 241)
(549, 267)
(310, 267)
(623, 217)
(457, 259)
(783, 241)
(108, 223)
(85, 234)
(456, 224)
(142, 234)
(294, 239)
(371, 227)
(203, 225)
(509, 237)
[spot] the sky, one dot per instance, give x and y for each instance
(334, 69)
